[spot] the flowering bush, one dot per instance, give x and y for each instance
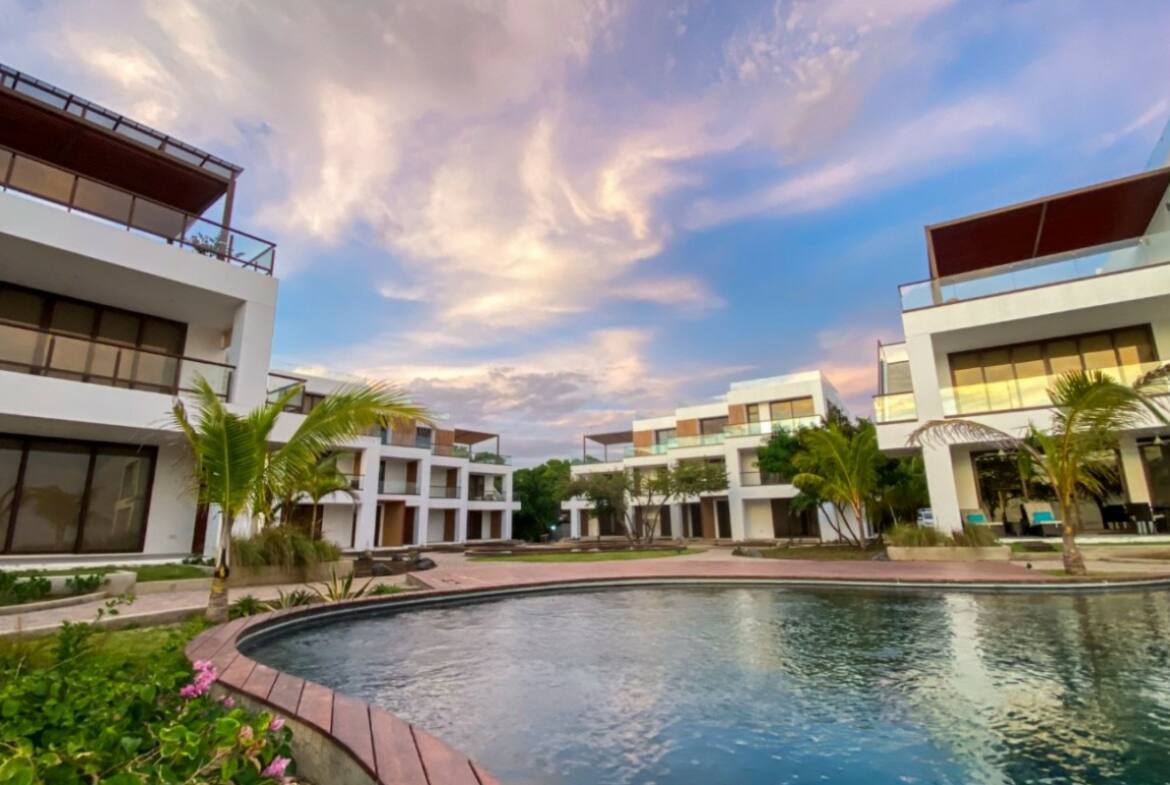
(138, 716)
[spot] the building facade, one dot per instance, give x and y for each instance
(122, 280)
(1016, 297)
(728, 431)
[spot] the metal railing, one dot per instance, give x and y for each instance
(762, 427)
(492, 458)
(396, 439)
(1137, 252)
(486, 495)
(751, 479)
(51, 353)
(1027, 393)
(73, 191)
(401, 487)
(279, 384)
(110, 120)
(444, 491)
(895, 407)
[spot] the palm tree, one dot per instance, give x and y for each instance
(840, 468)
(237, 469)
(1075, 455)
(325, 478)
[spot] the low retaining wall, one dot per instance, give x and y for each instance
(115, 583)
(948, 553)
(263, 576)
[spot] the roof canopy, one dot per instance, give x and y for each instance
(464, 436)
(613, 437)
(47, 123)
(1104, 213)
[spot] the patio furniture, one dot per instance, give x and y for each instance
(1142, 516)
(1040, 516)
(980, 518)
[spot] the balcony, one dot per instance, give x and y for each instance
(491, 458)
(395, 439)
(762, 427)
(444, 492)
(753, 479)
(355, 481)
(1026, 393)
(485, 495)
(653, 449)
(895, 407)
(1080, 264)
(58, 186)
(48, 353)
(398, 487)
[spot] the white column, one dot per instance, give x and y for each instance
(461, 523)
(506, 525)
(940, 480)
(676, 521)
(575, 523)
(250, 351)
(1132, 470)
(371, 458)
(731, 458)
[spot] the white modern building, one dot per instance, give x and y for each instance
(1017, 296)
(117, 290)
(729, 431)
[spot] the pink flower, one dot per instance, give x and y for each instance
(203, 665)
(228, 701)
(276, 724)
(275, 770)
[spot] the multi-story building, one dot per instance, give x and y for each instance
(117, 291)
(1017, 296)
(729, 430)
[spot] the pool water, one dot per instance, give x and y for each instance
(706, 686)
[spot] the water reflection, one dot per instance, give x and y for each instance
(749, 685)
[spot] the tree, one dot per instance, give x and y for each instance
(841, 468)
(323, 479)
(901, 488)
(622, 494)
(237, 469)
(540, 491)
(1076, 454)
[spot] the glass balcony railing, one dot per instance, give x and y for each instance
(652, 449)
(486, 495)
(751, 479)
(47, 353)
(701, 440)
(279, 384)
(896, 407)
(45, 182)
(491, 457)
(408, 439)
(1027, 393)
(1145, 251)
(444, 491)
(400, 487)
(762, 427)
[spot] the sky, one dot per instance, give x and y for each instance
(546, 218)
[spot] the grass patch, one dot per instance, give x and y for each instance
(588, 556)
(145, 572)
(821, 553)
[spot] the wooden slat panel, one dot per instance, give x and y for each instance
(444, 766)
(351, 726)
(394, 750)
(286, 693)
(316, 706)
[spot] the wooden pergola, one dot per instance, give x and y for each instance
(606, 440)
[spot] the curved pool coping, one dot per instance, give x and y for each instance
(390, 750)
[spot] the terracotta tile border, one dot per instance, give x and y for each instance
(391, 750)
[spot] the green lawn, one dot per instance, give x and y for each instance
(145, 572)
(588, 556)
(822, 553)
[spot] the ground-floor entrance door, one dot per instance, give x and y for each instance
(475, 524)
(787, 523)
(723, 517)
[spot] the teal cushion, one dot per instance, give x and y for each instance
(976, 517)
(1043, 516)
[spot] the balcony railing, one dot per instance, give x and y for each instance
(491, 457)
(50, 353)
(700, 440)
(651, 449)
(486, 495)
(61, 187)
(896, 407)
(771, 426)
(751, 479)
(279, 384)
(1027, 393)
(1146, 251)
(444, 491)
(355, 481)
(401, 487)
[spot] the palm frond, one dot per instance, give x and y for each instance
(938, 432)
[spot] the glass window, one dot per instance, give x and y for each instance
(119, 327)
(999, 378)
(1031, 374)
(711, 425)
(73, 318)
(1097, 352)
(753, 412)
(161, 336)
(50, 498)
(780, 410)
(116, 513)
(898, 378)
(20, 306)
(1063, 356)
(803, 407)
(967, 376)
(664, 435)
(10, 452)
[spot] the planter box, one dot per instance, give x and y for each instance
(946, 553)
(262, 576)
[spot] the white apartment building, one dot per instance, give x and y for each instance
(728, 430)
(116, 292)
(1017, 296)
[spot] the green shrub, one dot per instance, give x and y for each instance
(246, 606)
(17, 591)
(123, 708)
(282, 546)
(385, 588)
(84, 584)
(907, 535)
(294, 599)
(975, 537)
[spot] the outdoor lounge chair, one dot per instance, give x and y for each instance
(1040, 515)
(980, 518)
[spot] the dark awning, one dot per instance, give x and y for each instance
(1104, 213)
(613, 437)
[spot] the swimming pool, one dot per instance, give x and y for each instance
(710, 685)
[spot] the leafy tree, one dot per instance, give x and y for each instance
(1075, 455)
(238, 470)
(901, 488)
(841, 468)
(323, 479)
(540, 491)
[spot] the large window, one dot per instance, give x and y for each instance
(898, 378)
(792, 408)
(712, 425)
(72, 339)
(64, 497)
(664, 436)
(1018, 375)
